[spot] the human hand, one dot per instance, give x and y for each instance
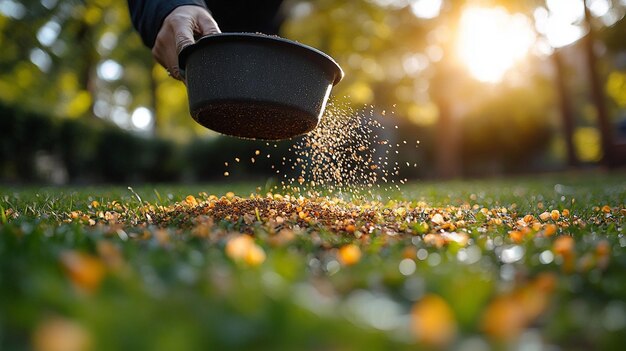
(179, 29)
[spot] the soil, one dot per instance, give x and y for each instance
(255, 120)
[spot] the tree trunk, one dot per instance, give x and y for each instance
(597, 94)
(89, 58)
(565, 109)
(447, 160)
(448, 163)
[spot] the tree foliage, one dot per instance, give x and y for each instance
(76, 59)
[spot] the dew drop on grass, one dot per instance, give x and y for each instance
(546, 257)
(407, 267)
(511, 254)
(434, 259)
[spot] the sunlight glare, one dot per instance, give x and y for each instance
(599, 8)
(567, 10)
(560, 22)
(560, 33)
(491, 41)
(426, 9)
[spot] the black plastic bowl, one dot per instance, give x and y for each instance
(257, 86)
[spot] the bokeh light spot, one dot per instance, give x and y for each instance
(141, 118)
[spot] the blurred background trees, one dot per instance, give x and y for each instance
(489, 87)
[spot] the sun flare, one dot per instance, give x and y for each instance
(491, 41)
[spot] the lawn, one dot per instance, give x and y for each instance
(530, 263)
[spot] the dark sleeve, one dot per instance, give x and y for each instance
(247, 15)
(148, 15)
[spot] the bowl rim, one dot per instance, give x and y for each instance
(256, 37)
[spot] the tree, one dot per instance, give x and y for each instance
(597, 92)
(565, 108)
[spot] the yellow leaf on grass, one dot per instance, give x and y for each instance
(534, 297)
(237, 247)
(516, 236)
(61, 334)
(508, 315)
(243, 249)
(84, 270)
(110, 254)
(504, 318)
(191, 200)
(550, 229)
(437, 219)
(433, 322)
(254, 255)
(454, 237)
(349, 254)
(564, 245)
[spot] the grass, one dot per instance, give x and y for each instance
(520, 263)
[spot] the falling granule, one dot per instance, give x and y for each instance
(226, 164)
(226, 174)
(340, 155)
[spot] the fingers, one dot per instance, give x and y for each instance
(183, 36)
(207, 25)
(178, 31)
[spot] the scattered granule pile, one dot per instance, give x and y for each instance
(276, 211)
(273, 209)
(331, 223)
